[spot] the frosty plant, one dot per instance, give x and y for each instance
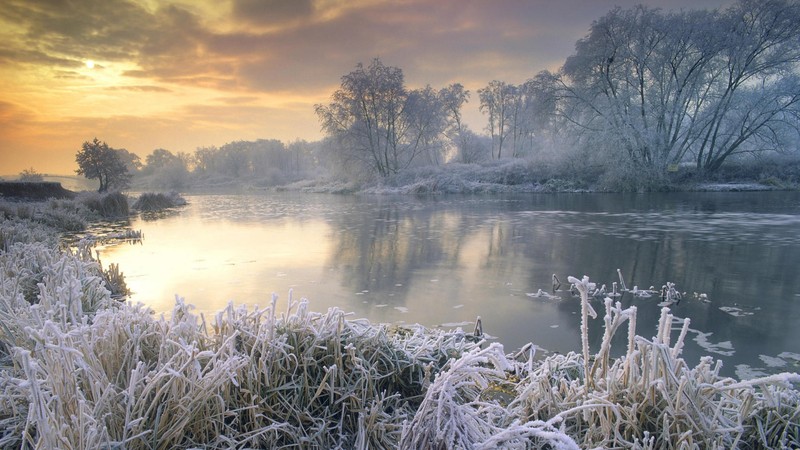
(584, 287)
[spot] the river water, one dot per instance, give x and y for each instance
(444, 261)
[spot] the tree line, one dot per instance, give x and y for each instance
(645, 92)
(265, 161)
(646, 89)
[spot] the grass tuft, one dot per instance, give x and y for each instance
(112, 205)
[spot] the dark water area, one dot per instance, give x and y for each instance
(444, 261)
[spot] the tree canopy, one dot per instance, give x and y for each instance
(383, 126)
(96, 160)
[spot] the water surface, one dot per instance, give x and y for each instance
(443, 261)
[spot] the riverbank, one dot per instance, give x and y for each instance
(270, 378)
(33, 191)
(525, 176)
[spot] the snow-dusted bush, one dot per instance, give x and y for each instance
(64, 215)
(112, 205)
(151, 201)
(24, 230)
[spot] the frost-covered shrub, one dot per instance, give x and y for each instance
(63, 215)
(157, 201)
(26, 231)
(112, 205)
(627, 177)
(562, 185)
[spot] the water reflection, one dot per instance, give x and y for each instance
(448, 260)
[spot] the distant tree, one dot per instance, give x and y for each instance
(166, 169)
(30, 175)
(379, 124)
(96, 160)
(497, 102)
(131, 160)
(453, 98)
(159, 159)
(426, 119)
(204, 159)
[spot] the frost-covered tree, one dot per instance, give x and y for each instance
(380, 125)
(453, 98)
(166, 169)
(662, 88)
(96, 160)
(131, 160)
(496, 103)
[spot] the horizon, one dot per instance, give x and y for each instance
(179, 75)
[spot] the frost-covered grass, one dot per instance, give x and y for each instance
(69, 215)
(80, 370)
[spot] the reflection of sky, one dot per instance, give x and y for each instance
(238, 261)
(448, 260)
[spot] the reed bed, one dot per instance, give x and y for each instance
(81, 370)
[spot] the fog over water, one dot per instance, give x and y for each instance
(443, 261)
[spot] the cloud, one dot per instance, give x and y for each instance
(78, 29)
(299, 45)
(270, 12)
(139, 88)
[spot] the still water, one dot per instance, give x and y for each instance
(444, 261)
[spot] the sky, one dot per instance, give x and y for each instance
(183, 74)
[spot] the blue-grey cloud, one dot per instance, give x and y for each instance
(270, 12)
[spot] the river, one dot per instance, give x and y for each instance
(444, 261)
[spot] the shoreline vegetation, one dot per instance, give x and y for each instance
(506, 176)
(81, 369)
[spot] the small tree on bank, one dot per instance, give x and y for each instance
(31, 176)
(96, 160)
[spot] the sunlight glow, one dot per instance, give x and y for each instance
(89, 64)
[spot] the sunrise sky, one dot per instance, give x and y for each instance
(180, 74)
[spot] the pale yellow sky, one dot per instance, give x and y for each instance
(182, 74)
